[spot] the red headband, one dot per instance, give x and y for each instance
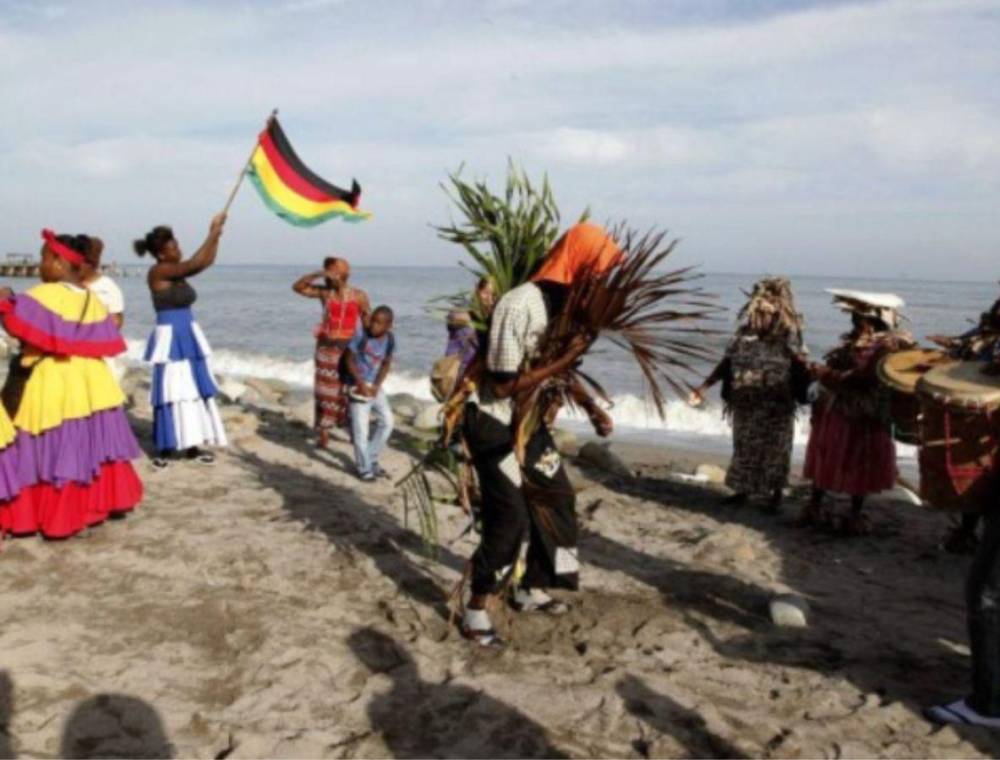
(61, 249)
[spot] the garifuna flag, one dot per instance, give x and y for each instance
(291, 190)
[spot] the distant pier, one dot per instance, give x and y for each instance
(26, 265)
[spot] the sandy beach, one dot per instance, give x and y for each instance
(274, 606)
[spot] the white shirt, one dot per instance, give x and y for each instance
(110, 294)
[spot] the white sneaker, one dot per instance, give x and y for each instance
(536, 600)
(960, 713)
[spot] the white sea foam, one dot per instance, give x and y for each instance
(630, 413)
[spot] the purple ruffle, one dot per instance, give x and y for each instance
(27, 309)
(10, 481)
(76, 449)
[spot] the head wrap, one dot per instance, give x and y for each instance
(61, 249)
(583, 248)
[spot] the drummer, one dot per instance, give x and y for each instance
(982, 586)
(981, 343)
(850, 448)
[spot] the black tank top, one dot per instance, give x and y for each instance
(179, 295)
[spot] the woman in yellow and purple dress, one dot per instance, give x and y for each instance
(73, 441)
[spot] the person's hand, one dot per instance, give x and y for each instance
(697, 397)
(366, 390)
(602, 422)
(5, 292)
(218, 222)
(941, 340)
(819, 372)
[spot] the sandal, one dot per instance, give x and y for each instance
(960, 713)
(487, 638)
(477, 628)
(813, 516)
(734, 500)
(160, 463)
(536, 600)
(854, 525)
(200, 456)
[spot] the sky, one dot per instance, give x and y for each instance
(828, 138)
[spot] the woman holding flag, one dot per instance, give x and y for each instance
(185, 415)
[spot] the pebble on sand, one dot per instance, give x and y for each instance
(710, 473)
(789, 611)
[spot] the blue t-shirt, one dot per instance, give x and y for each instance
(370, 353)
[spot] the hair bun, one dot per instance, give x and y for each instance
(140, 247)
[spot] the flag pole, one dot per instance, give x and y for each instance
(243, 171)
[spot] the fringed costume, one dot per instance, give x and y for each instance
(759, 371)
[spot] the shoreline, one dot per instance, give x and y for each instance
(272, 605)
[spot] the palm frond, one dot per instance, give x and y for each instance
(658, 316)
(505, 235)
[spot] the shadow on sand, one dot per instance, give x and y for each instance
(417, 718)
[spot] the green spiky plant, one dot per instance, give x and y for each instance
(505, 235)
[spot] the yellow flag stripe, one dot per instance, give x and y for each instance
(287, 198)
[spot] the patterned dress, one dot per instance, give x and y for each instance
(340, 320)
(762, 408)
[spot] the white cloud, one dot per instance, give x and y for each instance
(774, 122)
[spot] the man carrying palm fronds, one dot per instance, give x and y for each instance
(526, 494)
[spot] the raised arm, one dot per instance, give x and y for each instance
(365, 307)
(203, 258)
(305, 285)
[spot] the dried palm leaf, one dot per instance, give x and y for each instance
(656, 316)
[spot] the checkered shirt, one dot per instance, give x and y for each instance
(519, 321)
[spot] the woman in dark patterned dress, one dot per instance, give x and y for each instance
(757, 373)
(343, 308)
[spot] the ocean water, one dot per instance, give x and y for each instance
(258, 326)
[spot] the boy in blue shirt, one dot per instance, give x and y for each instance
(367, 359)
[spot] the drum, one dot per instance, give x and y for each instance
(899, 373)
(958, 436)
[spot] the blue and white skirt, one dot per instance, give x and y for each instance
(183, 390)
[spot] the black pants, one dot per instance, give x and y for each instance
(982, 595)
(534, 504)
